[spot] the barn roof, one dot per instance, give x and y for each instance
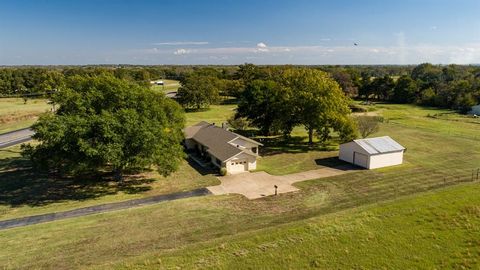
(379, 145)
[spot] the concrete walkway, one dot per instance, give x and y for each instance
(102, 208)
(260, 184)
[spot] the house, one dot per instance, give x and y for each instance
(372, 153)
(223, 148)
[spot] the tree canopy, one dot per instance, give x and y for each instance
(297, 96)
(432, 85)
(199, 91)
(108, 124)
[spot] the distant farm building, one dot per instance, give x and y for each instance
(372, 153)
(475, 110)
(222, 148)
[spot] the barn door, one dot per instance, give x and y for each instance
(360, 159)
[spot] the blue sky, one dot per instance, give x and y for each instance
(235, 32)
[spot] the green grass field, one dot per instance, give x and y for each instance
(14, 114)
(217, 114)
(428, 231)
(365, 219)
(169, 86)
(24, 192)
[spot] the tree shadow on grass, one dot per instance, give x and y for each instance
(201, 170)
(21, 185)
(292, 145)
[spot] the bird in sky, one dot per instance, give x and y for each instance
(356, 44)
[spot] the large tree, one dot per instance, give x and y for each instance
(198, 91)
(297, 96)
(427, 75)
(107, 124)
(267, 105)
(319, 103)
(346, 82)
(405, 90)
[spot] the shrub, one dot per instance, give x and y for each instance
(223, 171)
(238, 123)
(368, 125)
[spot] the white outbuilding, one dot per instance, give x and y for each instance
(475, 110)
(372, 153)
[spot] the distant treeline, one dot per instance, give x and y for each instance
(28, 80)
(447, 86)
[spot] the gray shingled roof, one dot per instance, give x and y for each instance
(379, 145)
(215, 139)
(192, 130)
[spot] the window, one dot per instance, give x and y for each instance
(233, 163)
(254, 150)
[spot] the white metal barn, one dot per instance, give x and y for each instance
(372, 153)
(475, 110)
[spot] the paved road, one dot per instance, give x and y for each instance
(172, 94)
(15, 137)
(19, 222)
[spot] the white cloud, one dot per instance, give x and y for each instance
(182, 51)
(176, 43)
(262, 47)
(261, 53)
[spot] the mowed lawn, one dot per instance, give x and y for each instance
(14, 114)
(169, 86)
(24, 192)
(355, 220)
(438, 230)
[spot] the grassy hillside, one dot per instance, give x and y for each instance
(231, 231)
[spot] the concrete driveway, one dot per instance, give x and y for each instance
(260, 184)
